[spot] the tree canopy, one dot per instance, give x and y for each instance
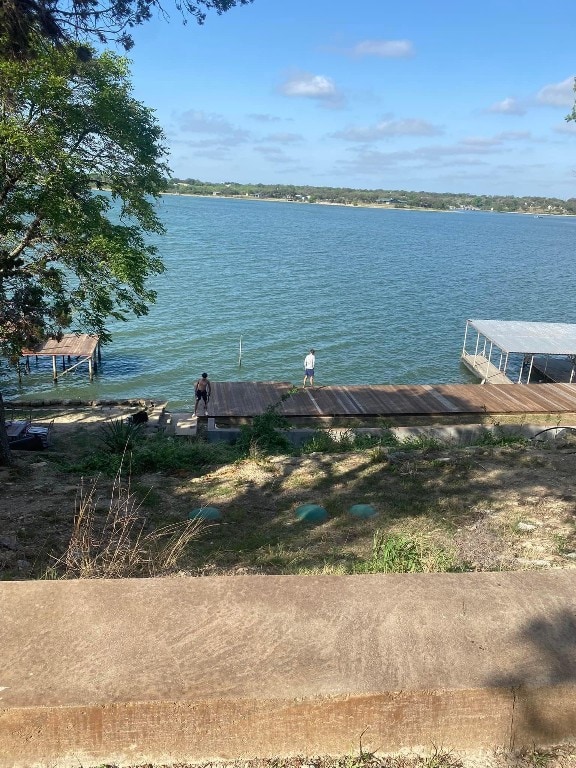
(60, 21)
(72, 256)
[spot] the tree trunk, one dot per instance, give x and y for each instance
(5, 455)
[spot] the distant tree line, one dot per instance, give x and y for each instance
(393, 198)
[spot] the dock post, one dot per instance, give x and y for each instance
(54, 372)
(465, 336)
(488, 361)
(90, 371)
(476, 350)
(530, 369)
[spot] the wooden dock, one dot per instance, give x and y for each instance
(83, 347)
(480, 366)
(239, 401)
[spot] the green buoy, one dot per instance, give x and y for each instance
(311, 513)
(362, 510)
(205, 513)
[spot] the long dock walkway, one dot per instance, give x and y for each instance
(243, 400)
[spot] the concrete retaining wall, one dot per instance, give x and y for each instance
(458, 434)
(168, 670)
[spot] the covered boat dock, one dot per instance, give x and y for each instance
(510, 351)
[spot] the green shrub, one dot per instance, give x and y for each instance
(165, 454)
(119, 435)
(160, 454)
(262, 436)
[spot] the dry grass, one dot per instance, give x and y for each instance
(119, 547)
(460, 504)
(560, 756)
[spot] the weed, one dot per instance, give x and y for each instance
(161, 454)
(262, 437)
(119, 435)
(119, 548)
(498, 437)
(379, 455)
(423, 443)
(398, 554)
(344, 441)
(440, 758)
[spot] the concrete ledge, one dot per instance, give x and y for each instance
(174, 670)
(457, 434)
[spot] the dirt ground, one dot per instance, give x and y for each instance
(490, 507)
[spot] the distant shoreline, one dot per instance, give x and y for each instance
(375, 206)
(318, 202)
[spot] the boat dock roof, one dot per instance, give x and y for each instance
(548, 348)
(529, 338)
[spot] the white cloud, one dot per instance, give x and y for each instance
(433, 157)
(195, 121)
(386, 128)
(507, 106)
(261, 118)
(385, 49)
(514, 136)
(273, 154)
(566, 128)
(316, 87)
(485, 142)
(283, 138)
(557, 94)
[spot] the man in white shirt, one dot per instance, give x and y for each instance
(309, 363)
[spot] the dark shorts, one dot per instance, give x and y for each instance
(309, 371)
(201, 395)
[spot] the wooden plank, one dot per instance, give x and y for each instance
(487, 371)
(247, 399)
(82, 345)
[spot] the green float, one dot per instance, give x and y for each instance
(311, 513)
(205, 513)
(363, 511)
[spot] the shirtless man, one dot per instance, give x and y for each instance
(202, 392)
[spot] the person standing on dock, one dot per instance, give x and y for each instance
(309, 363)
(202, 391)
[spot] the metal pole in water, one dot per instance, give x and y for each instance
(240, 354)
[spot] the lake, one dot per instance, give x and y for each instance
(382, 295)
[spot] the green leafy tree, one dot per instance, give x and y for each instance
(72, 256)
(61, 21)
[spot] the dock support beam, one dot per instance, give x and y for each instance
(530, 369)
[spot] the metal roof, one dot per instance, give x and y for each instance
(529, 338)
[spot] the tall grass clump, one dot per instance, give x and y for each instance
(346, 440)
(499, 438)
(394, 553)
(160, 453)
(118, 546)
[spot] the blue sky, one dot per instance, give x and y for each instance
(444, 96)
